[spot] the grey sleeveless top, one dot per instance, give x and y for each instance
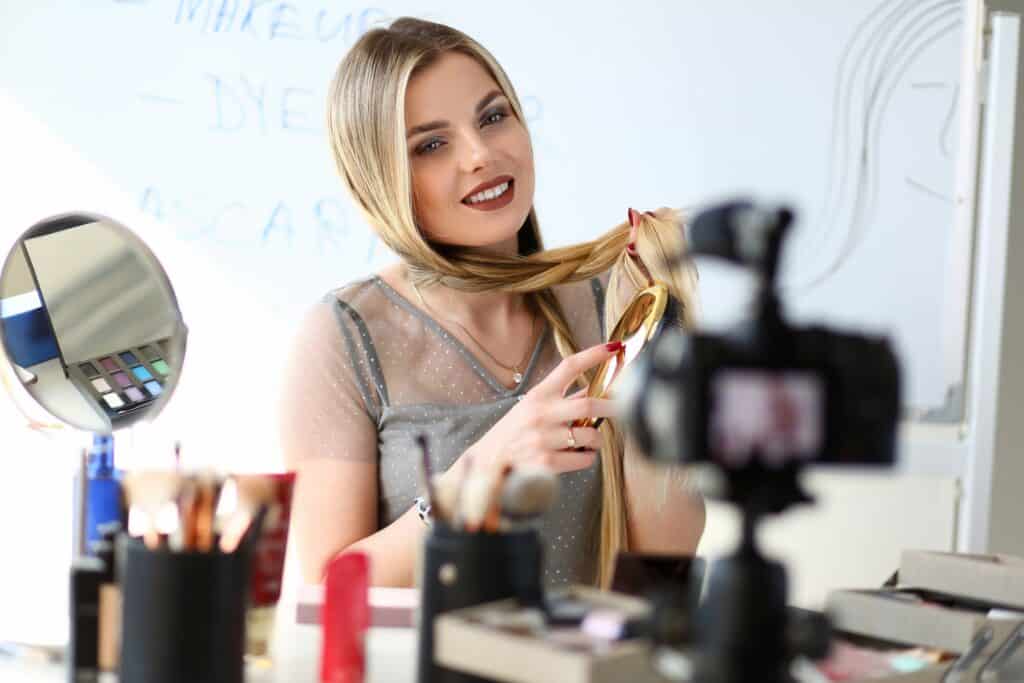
(382, 371)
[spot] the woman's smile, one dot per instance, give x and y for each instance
(493, 199)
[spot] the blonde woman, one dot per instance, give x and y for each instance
(473, 337)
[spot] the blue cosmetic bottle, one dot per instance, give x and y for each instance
(103, 490)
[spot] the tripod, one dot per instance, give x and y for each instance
(743, 630)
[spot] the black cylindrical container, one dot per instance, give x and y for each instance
(462, 569)
(184, 615)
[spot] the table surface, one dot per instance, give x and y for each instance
(390, 657)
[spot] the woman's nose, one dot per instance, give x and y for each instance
(477, 153)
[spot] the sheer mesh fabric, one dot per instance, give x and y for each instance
(370, 371)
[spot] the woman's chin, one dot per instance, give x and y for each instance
(486, 233)
(486, 238)
(507, 246)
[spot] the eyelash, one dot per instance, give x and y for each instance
(424, 148)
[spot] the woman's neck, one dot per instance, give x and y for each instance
(488, 311)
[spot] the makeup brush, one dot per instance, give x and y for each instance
(253, 492)
(210, 485)
(528, 492)
(446, 494)
(184, 538)
(252, 533)
(437, 510)
(148, 491)
(479, 498)
(458, 515)
(167, 524)
(493, 519)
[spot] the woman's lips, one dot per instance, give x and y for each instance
(497, 202)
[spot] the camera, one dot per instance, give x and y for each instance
(758, 403)
(765, 396)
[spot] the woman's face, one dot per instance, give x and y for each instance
(463, 138)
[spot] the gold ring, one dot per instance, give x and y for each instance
(572, 439)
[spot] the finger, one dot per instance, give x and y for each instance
(632, 217)
(634, 222)
(578, 393)
(571, 367)
(579, 408)
(586, 438)
(571, 461)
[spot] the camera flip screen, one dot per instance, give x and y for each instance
(772, 416)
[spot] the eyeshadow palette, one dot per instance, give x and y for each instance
(124, 381)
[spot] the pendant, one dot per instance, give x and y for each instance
(517, 376)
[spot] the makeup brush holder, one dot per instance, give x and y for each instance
(461, 569)
(184, 615)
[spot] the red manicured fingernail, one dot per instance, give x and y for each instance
(613, 346)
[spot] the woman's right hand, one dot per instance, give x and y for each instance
(536, 430)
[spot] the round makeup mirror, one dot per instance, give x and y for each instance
(89, 323)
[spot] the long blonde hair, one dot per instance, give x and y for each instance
(365, 123)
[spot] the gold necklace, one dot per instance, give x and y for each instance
(517, 375)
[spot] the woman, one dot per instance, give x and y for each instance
(472, 338)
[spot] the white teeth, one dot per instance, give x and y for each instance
(488, 194)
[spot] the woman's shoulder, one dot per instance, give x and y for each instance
(364, 296)
(352, 293)
(371, 304)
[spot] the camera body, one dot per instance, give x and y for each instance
(814, 396)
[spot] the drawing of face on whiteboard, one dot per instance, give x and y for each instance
(923, 179)
(892, 147)
(885, 240)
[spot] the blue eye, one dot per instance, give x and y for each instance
(426, 148)
(497, 112)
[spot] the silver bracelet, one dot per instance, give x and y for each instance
(422, 506)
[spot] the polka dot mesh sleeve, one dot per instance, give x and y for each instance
(330, 403)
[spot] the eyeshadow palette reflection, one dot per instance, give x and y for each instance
(124, 381)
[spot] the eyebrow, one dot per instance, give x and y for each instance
(434, 125)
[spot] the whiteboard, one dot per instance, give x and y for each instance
(208, 116)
